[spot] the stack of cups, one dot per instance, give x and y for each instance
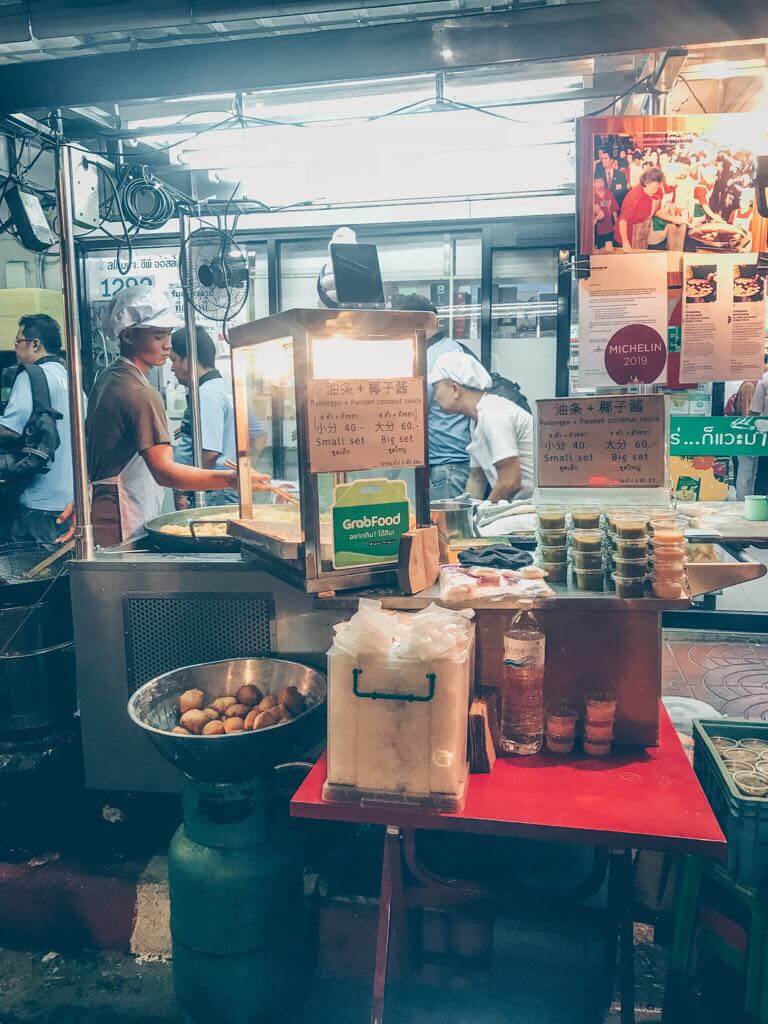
(600, 715)
(561, 729)
(588, 558)
(628, 540)
(668, 570)
(552, 542)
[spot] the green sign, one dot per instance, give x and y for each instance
(369, 518)
(718, 435)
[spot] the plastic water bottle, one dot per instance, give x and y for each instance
(522, 693)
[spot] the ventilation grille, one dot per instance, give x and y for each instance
(169, 631)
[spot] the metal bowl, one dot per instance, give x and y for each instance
(238, 756)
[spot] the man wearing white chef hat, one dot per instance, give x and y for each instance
(501, 433)
(130, 457)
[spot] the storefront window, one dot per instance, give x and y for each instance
(524, 319)
(444, 267)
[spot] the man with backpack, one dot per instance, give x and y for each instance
(35, 441)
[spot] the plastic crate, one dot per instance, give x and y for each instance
(743, 819)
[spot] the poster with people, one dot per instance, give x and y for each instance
(675, 184)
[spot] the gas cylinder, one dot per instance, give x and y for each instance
(238, 919)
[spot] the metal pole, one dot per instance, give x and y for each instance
(194, 383)
(84, 546)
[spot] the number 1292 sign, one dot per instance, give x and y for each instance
(365, 424)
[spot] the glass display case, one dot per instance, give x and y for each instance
(343, 397)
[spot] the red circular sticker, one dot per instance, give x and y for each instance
(636, 354)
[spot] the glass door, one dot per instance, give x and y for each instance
(524, 319)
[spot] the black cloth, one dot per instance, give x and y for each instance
(496, 556)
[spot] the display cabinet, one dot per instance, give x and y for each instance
(342, 395)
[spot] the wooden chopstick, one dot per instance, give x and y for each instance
(285, 495)
(48, 561)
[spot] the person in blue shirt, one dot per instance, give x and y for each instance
(448, 432)
(36, 516)
(217, 415)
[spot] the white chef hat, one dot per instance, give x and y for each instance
(462, 369)
(141, 306)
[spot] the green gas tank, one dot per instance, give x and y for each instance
(241, 950)
(238, 919)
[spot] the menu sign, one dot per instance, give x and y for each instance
(365, 424)
(611, 441)
(723, 318)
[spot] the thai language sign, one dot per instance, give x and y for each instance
(365, 424)
(611, 441)
(718, 435)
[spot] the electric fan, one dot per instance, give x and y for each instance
(214, 273)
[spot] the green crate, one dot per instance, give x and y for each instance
(743, 819)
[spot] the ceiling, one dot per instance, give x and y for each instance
(61, 29)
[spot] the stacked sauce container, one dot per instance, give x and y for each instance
(668, 549)
(628, 540)
(552, 542)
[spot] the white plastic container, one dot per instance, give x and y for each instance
(398, 697)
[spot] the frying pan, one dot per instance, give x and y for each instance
(161, 541)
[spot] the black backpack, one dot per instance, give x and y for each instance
(503, 386)
(25, 457)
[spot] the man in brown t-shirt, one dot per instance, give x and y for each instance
(130, 458)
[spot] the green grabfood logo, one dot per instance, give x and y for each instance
(368, 535)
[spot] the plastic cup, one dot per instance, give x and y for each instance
(669, 588)
(560, 746)
(589, 579)
(557, 572)
(723, 743)
(587, 540)
(755, 743)
(631, 527)
(586, 518)
(561, 723)
(751, 784)
(550, 517)
(587, 559)
(598, 732)
(762, 769)
(630, 547)
(668, 569)
(631, 567)
(553, 553)
(668, 533)
(596, 748)
(741, 755)
(600, 707)
(629, 586)
(553, 538)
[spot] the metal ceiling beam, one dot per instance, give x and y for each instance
(568, 30)
(14, 24)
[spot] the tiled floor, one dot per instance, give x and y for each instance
(732, 676)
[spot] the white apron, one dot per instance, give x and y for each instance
(140, 498)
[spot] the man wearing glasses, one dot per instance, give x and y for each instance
(34, 517)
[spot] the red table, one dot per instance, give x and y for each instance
(635, 799)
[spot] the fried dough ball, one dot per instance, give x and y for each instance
(292, 700)
(211, 714)
(194, 721)
(233, 725)
(181, 731)
(270, 701)
(249, 694)
(251, 717)
(266, 719)
(191, 700)
(237, 711)
(214, 728)
(222, 703)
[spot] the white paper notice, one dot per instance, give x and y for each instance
(623, 320)
(723, 318)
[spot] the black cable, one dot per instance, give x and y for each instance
(126, 233)
(138, 184)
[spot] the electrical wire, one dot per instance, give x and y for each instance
(126, 233)
(137, 184)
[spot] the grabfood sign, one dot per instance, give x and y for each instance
(367, 535)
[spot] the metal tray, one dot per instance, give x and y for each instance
(161, 541)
